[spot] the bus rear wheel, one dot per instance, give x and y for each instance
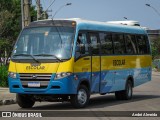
(24, 101)
(125, 94)
(81, 99)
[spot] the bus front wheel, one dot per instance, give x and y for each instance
(125, 94)
(24, 101)
(81, 99)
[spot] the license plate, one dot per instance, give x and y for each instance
(34, 84)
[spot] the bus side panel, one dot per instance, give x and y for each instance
(107, 75)
(107, 81)
(142, 76)
(95, 82)
(83, 72)
(120, 77)
(144, 70)
(115, 70)
(82, 69)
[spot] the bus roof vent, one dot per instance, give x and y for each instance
(126, 22)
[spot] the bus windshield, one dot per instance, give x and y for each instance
(44, 43)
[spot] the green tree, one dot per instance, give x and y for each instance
(10, 24)
(155, 45)
(10, 18)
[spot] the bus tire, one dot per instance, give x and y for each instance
(24, 101)
(81, 99)
(125, 94)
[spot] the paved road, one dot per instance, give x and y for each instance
(146, 98)
(5, 94)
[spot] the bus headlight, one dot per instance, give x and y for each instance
(62, 75)
(12, 74)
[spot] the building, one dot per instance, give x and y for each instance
(153, 34)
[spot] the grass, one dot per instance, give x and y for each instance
(4, 76)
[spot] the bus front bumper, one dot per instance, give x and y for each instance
(65, 85)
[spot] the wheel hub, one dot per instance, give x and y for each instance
(82, 96)
(129, 90)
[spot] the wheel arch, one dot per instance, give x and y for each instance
(130, 78)
(85, 82)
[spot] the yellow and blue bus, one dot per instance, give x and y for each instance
(70, 59)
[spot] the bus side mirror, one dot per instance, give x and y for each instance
(82, 48)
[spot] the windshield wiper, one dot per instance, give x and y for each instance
(22, 54)
(59, 34)
(50, 55)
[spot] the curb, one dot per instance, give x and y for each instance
(8, 102)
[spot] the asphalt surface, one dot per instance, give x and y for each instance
(145, 98)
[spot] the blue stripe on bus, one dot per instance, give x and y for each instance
(113, 80)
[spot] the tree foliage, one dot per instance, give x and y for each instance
(10, 24)
(10, 16)
(3, 76)
(155, 45)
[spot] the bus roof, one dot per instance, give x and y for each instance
(96, 25)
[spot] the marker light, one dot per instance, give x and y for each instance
(73, 23)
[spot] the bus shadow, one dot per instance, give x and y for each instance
(95, 102)
(108, 101)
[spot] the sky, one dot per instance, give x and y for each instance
(107, 10)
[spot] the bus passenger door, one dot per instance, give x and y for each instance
(95, 67)
(82, 61)
(107, 72)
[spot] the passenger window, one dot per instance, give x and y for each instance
(130, 44)
(119, 44)
(82, 45)
(106, 43)
(94, 44)
(142, 45)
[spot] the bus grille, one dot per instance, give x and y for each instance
(44, 80)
